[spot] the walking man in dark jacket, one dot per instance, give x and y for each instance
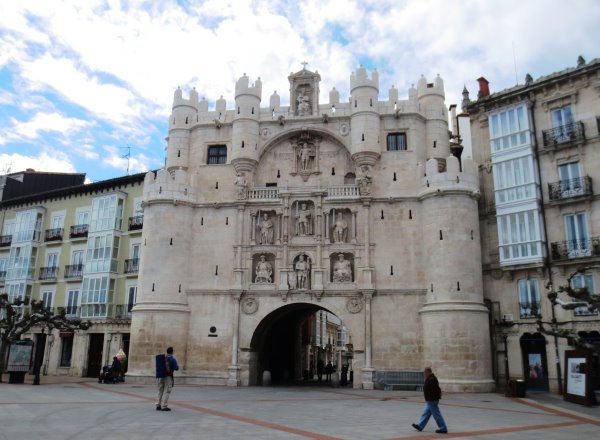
(433, 394)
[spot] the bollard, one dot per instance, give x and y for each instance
(266, 378)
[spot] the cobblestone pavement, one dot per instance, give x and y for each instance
(80, 408)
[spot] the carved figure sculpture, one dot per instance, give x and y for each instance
(363, 180)
(342, 270)
(305, 154)
(266, 230)
(240, 185)
(303, 221)
(264, 271)
(301, 268)
(340, 229)
(303, 105)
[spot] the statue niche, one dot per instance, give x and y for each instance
(263, 269)
(340, 225)
(341, 268)
(300, 278)
(265, 226)
(303, 218)
(306, 155)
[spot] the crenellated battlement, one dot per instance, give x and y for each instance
(425, 88)
(170, 185)
(179, 100)
(435, 179)
(361, 79)
(243, 87)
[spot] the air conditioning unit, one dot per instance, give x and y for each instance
(507, 317)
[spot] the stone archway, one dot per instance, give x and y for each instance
(284, 344)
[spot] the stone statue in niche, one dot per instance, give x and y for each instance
(305, 155)
(340, 230)
(363, 180)
(342, 270)
(302, 270)
(241, 186)
(303, 104)
(266, 230)
(303, 220)
(264, 271)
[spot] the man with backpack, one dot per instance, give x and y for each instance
(165, 365)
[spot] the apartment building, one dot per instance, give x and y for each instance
(76, 247)
(538, 146)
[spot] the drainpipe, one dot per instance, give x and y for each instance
(547, 259)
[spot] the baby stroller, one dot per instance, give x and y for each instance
(108, 375)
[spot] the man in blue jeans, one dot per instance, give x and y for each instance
(433, 394)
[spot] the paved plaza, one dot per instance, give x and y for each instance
(80, 408)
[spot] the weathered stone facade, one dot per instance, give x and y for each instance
(263, 216)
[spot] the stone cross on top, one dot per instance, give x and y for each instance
(304, 63)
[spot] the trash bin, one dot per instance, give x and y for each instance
(521, 387)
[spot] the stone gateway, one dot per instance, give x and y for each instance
(355, 207)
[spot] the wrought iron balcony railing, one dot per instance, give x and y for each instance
(49, 273)
(585, 311)
(55, 234)
(5, 240)
(71, 311)
(528, 310)
(123, 311)
(565, 133)
(585, 247)
(132, 265)
(567, 189)
(79, 231)
(73, 271)
(136, 222)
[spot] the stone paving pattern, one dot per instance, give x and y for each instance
(80, 408)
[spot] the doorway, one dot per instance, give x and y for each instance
(95, 350)
(535, 367)
(291, 341)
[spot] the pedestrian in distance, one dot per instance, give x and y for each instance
(328, 371)
(165, 365)
(433, 394)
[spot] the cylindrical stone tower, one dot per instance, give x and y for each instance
(364, 103)
(454, 318)
(183, 116)
(431, 103)
(245, 132)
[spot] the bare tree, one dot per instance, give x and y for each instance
(578, 297)
(14, 323)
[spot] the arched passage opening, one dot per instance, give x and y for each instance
(295, 341)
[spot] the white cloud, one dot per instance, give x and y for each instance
(46, 161)
(41, 123)
(137, 163)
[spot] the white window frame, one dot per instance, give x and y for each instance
(578, 281)
(577, 236)
(529, 294)
(131, 298)
(72, 300)
(519, 236)
(47, 298)
(570, 181)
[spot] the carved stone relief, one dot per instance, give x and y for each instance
(249, 305)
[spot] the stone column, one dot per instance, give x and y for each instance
(326, 214)
(354, 232)
(368, 372)
(234, 368)
(367, 220)
(279, 227)
(253, 227)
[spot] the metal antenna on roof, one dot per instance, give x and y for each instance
(127, 156)
(515, 61)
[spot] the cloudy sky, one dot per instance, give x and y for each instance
(85, 82)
